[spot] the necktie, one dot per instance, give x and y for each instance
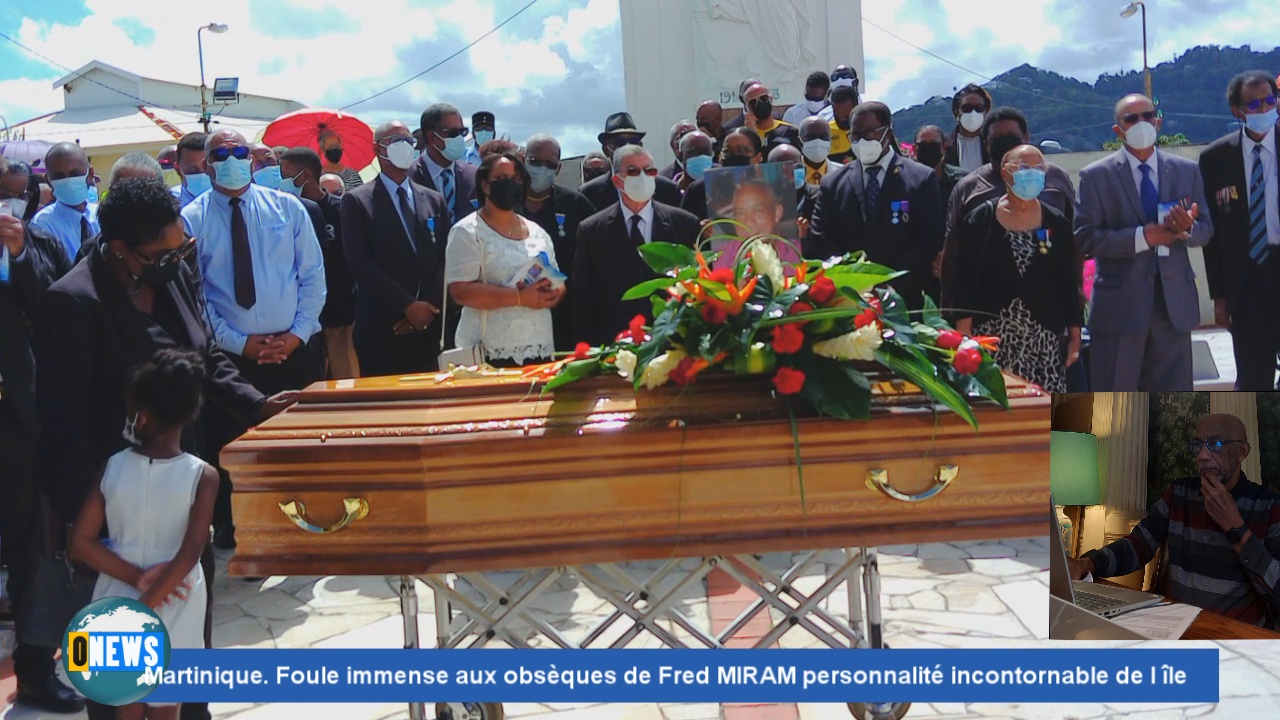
(815, 176)
(873, 191)
(241, 258)
(407, 216)
(1150, 196)
(1258, 249)
(637, 237)
(85, 232)
(446, 189)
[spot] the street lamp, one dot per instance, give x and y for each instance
(217, 28)
(1129, 12)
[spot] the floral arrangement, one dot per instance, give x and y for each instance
(813, 326)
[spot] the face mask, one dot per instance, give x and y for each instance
(199, 184)
(333, 155)
(735, 160)
(929, 153)
(17, 206)
(70, 190)
(868, 151)
(233, 173)
(816, 105)
(697, 165)
(1141, 136)
(268, 177)
(639, 188)
(1261, 123)
(401, 154)
(505, 193)
(160, 275)
(1028, 184)
(815, 151)
(1000, 146)
(762, 108)
(290, 186)
(454, 148)
(799, 173)
(483, 136)
(972, 120)
(130, 432)
(541, 179)
(592, 174)
(92, 194)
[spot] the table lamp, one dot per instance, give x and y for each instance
(1073, 478)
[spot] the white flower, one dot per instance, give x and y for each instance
(626, 363)
(861, 344)
(765, 260)
(656, 372)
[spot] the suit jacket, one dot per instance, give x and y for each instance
(1108, 211)
(340, 296)
(1231, 272)
(602, 193)
(464, 184)
(574, 207)
(389, 272)
(89, 336)
(606, 265)
(44, 260)
(953, 149)
(902, 240)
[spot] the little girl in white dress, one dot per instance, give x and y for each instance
(157, 503)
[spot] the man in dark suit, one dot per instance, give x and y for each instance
(35, 261)
(559, 211)
(679, 130)
(442, 167)
(620, 130)
(606, 261)
(1241, 183)
(882, 203)
(394, 232)
(1145, 303)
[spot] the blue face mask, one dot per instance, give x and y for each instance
(454, 148)
(70, 190)
(199, 184)
(92, 194)
(289, 185)
(1261, 123)
(697, 165)
(1028, 184)
(268, 177)
(233, 173)
(483, 136)
(799, 173)
(541, 179)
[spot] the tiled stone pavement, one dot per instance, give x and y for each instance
(988, 594)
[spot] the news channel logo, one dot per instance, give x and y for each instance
(115, 651)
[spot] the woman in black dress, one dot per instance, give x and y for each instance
(1018, 278)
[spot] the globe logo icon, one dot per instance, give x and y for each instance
(115, 651)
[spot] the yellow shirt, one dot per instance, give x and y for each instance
(839, 140)
(813, 175)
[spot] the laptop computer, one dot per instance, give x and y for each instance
(1103, 600)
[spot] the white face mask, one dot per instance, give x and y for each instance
(868, 151)
(1141, 136)
(816, 106)
(401, 154)
(639, 188)
(16, 206)
(815, 151)
(972, 120)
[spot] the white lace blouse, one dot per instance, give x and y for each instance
(477, 252)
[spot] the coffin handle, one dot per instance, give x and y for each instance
(353, 510)
(879, 480)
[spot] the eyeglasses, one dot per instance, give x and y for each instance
(1131, 118)
(1214, 446)
(855, 136)
(637, 172)
(221, 154)
(1011, 167)
(395, 140)
(970, 107)
(176, 255)
(1256, 105)
(451, 133)
(618, 141)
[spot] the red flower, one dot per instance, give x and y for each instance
(967, 360)
(822, 291)
(788, 381)
(581, 351)
(635, 332)
(685, 371)
(787, 338)
(724, 276)
(714, 313)
(949, 339)
(865, 318)
(800, 307)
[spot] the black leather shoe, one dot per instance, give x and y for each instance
(49, 694)
(224, 538)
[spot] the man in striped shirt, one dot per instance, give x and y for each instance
(1222, 533)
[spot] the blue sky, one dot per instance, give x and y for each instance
(558, 66)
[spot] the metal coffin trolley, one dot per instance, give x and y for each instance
(448, 481)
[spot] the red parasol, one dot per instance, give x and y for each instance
(302, 128)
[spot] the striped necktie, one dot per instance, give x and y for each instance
(1258, 249)
(446, 189)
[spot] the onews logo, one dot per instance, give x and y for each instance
(116, 651)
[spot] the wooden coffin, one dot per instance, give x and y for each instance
(416, 476)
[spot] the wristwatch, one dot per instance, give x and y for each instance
(1234, 534)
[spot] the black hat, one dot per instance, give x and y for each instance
(617, 124)
(484, 117)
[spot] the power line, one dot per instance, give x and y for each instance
(464, 48)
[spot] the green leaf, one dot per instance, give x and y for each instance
(573, 372)
(916, 368)
(649, 287)
(835, 389)
(658, 304)
(823, 314)
(664, 257)
(991, 381)
(860, 281)
(931, 316)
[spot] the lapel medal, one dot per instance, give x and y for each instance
(475, 204)
(560, 223)
(894, 207)
(1042, 237)
(431, 227)
(906, 207)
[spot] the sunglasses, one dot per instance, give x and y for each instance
(970, 107)
(620, 140)
(855, 136)
(1214, 446)
(1256, 105)
(451, 133)
(221, 154)
(1131, 118)
(176, 255)
(637, 172)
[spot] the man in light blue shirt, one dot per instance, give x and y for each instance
(262, 267)
(72, 219)
(189, 163)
